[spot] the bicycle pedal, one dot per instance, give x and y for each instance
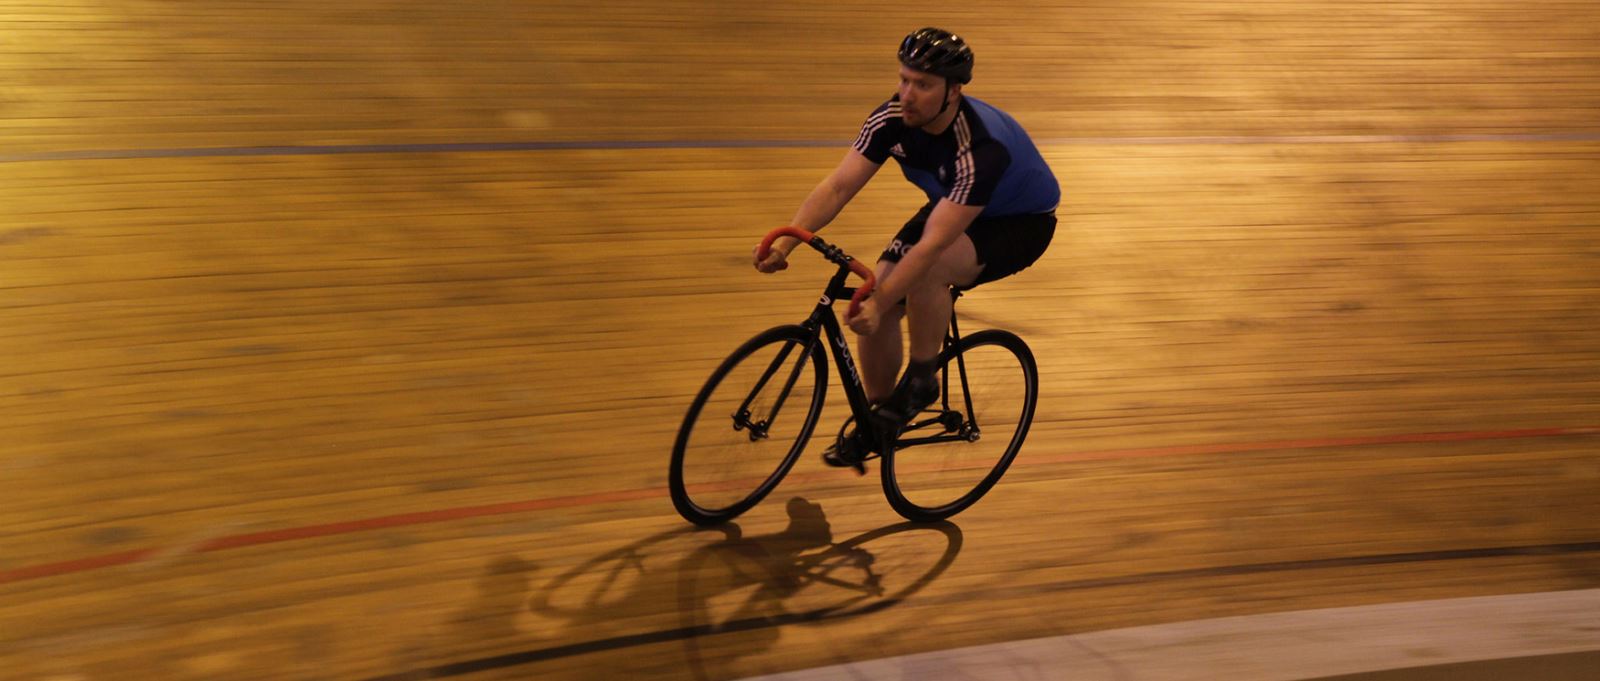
(833, 459)
(836, 457)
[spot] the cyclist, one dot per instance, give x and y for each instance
(990, 213)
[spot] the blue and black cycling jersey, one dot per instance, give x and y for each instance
(983, 159)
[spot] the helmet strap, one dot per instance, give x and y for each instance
(946, 105)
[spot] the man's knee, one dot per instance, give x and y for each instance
(956, 266)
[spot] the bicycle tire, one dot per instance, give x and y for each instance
(714, 453)
(1002, 352)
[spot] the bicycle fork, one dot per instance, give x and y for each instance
(741, 418)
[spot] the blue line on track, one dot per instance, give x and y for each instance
(607, 145)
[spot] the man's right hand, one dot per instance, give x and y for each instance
(777, 259)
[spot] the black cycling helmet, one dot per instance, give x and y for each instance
(938, 52)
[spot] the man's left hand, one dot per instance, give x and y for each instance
(865, 321)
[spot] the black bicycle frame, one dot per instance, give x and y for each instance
(824, 324)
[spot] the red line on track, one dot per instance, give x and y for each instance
(1315, 443)
(32, 572)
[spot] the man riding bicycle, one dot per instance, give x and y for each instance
(990, 214)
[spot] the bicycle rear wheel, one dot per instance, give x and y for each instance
(955, 451)
(748, 425)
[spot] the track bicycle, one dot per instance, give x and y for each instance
(751, 421)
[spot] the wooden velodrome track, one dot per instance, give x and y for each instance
(348, 340)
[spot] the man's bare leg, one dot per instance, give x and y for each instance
(928, 307)
(881, 353)
(928, 303)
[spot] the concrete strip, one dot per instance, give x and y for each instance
(1290, 646)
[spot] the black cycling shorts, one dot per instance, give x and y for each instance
(1006, 245)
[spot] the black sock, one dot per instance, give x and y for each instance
(914, 386)
(921, 370)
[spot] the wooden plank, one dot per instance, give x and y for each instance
(345, 416)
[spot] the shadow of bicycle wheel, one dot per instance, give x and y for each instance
(723, 598)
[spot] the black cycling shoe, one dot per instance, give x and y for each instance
(918, 388)
(849, 451)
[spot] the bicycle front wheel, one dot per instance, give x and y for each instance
(954, 452)
(748, 425)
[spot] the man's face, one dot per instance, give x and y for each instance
(921, 96)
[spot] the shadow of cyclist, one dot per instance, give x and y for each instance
(735, 596)
(725, 596)
(771, 561)
(501, 587)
